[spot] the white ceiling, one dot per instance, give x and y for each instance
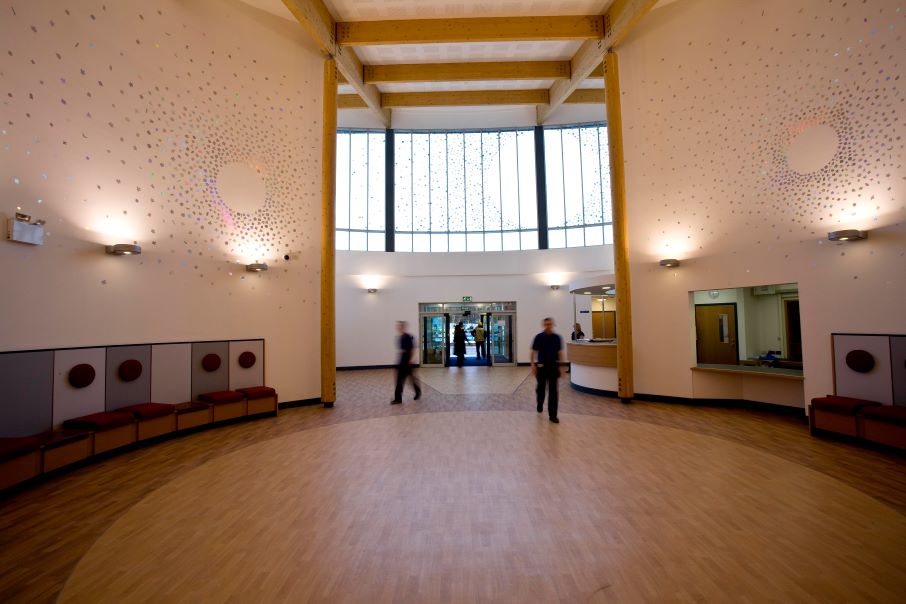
(376, 10)
(560, 50)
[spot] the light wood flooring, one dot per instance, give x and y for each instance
(487, 502)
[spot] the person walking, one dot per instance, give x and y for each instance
(479, 342)
(546, 349)
(459, 344)
(404, 367)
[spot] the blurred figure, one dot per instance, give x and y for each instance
(578, 334)
(479, 341)
(546, 367)
(404, 367)
(459, 344)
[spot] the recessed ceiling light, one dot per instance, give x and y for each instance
(669, 262)
(847, 235)
(123, 249)
(256, 267)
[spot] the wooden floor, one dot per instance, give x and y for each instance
(486, 502)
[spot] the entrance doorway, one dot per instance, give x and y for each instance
(438, 322)
(715, 334)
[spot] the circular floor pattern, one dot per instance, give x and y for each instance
(498, 507)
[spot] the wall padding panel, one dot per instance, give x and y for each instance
(26, 385)
(898, 368)
(874, 385)
(241, 377)
(210, 381)
(120, 393)
(69, 402)
(171, 378)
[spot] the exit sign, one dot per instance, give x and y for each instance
(467, 298)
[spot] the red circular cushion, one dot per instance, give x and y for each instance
(211, 362)
(860, 361)
(130, 370)
(247, 359)
(81, 376)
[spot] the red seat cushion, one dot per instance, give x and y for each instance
(841, 404)
(257, 392)
(888, 414)
(58, 438)
(148, 410)
(11, 448)
(224, 396)
(190, 407)
(100, 422)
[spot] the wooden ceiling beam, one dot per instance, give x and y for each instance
(464, 98)
(320, 24)
(586, 95)
(467, 72)
(619, 20)
(480, 29)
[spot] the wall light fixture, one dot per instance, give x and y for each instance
(372, 290)
(256, 267)
(847, 235)
(123, 249)
(669, 262)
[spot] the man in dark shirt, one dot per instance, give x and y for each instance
(546, 367)
(404, 367)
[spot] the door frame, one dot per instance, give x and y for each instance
(515, 350)
(422, 341)
(735, 321)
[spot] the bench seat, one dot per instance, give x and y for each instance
(20, 459)
(193, 414)
(885, 424)
(64, 447)
(154, 419)
(840, 414)
(261, 399)
(112, 429)
(228, 404)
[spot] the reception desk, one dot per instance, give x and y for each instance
(593, 366)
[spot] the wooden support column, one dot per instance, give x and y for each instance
(625, 387)
(328, 236)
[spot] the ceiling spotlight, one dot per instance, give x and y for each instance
(372, 290)
(587, 293)
(555, 287)
(256, 267)
(123, 249)
(669, 262)
(847, 235)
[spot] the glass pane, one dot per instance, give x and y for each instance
(342, 240)
(575, 237)
(438, 183)
(376, 185)
(529, 240)
(594, 235)
(343, 182)
(421, 196)
(490, 157)
(457, 243)
(607, 212)
(403, 243)
(474, 210)
(456, 192)
(403, 185)
(509, 181)
(438, 242)
(510, 241)
(474, 242)
(572, 177)
(358, 242)
(358, 182)
(608, 234)
(553, 154)
(376, 242)
(528, 197)
(591, 175)
(421, 242)
(493, 242)
(556, 238)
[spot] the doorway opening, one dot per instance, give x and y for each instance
(496, 321)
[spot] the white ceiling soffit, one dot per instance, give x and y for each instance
(456, 86)
(380, 10)
(560, 50)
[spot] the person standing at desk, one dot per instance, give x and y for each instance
(545, 358)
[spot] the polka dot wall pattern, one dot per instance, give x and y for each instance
(732, 125)
(117, 119)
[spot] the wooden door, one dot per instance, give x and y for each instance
(597, 324)
(610, 323)
(715, 334)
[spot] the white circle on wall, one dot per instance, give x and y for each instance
(241, 186)
(812, 149)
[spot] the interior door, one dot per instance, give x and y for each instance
(502, 343)
(715, 334)
(433, 339)
(610, 324)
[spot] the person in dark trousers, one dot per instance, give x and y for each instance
(545, 358)
(404, 367)
(459, 344)
(478, 334)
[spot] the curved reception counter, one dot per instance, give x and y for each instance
(593, 366)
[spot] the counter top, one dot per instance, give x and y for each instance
(595, 354)
(595, 343)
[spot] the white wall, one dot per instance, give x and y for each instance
(719, 101)
(119, 138)
(365, 322)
